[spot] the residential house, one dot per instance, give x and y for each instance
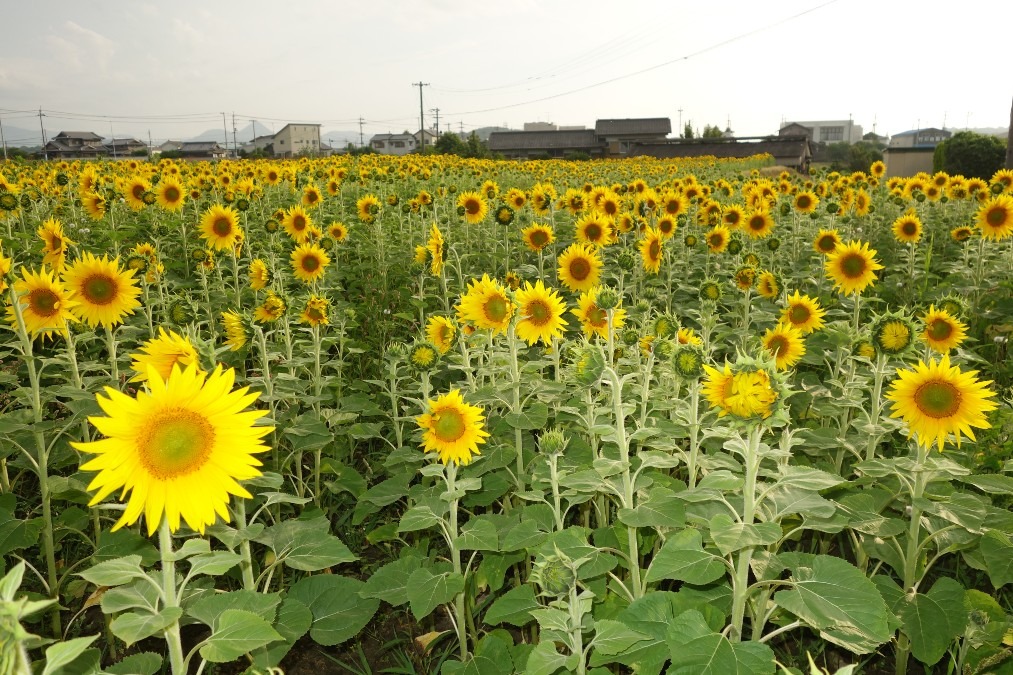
(297, 139)
(124, 147)
(202, 150)
(425, 138)
(554, 144)
(264, 143)
(824, 131)
(393, 144)
(794, 152)
(619, 134)
(169, 146)
(74, 144)
(912, 151)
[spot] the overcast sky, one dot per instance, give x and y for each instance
(174, 67)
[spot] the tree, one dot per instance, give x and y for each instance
(712, 131)
(687, 131)
(450, 144)
(854, 157)
(969, 154)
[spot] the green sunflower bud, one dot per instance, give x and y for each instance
(607, 298)
(553, 442)
(555, 574)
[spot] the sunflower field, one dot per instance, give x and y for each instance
(436, 415)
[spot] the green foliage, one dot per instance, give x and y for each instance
(854, 156)
(712, 131)
(970, 154)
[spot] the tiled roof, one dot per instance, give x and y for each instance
(644, 125)
(780, 147)
(506, 141)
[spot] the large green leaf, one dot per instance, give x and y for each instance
(661, 508)
(64, 653)
(535, 417)
(236, 633)
(835, 598)
(730, 536)
(306, 544)
(19, 534)
(933, 620)
(420, 517)
(114, 572)
(997, 551)
(572, 542)
(209, 608)
(479, 534)
(294, 619)
(615, 637)
(696, 649)
(145, 663)
(513, 607)
(214, 564)
(339, 612)
(135, 626)
(544, 659)
(427, 591)
(390, 582)
(682, 558)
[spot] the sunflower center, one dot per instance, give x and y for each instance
(757, 223)
(827, 244)
(597, 316)
(853, 266)
(803, 202)
(449, 426)
(778, 345)
(222, 227)
(593, 231)
(996, 217)
(665, 225)
(940, 329)
(539, 313)
(44, 302)
(654, 250)
(99, 289)
(175, 443)
(311, 263)
(137, 191)
(171, 194)
(539, 239)
(580, 269)
(909, 228)
(471, 207)
(937, 399)
(715, 240)
(496, 308)
(799, 314)
(298, 223)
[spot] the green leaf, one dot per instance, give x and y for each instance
(552, 619)
(572, 542)
(544, 659)
(133, 626)
(661, 508)
(933, 620)
(696, 649)
(339, 612)
(236, 633)
(122, 543)
(145, 663)
(427, 591)
(614, 637)
(294, 619)
(513, 607)
(19, 534)
(479, 534)
(730, 536)
(138, 594)
(306, 544)
(527, 534)
(208, 609)
(808, 478)
(114, 572)
(993, 483)
(419, 517)
(390, 582)
(214, 564)
(64, 653)
(535, 417)
(835, 598)
(682, 558)
(997, 551)
(786, 500)
(191, 547)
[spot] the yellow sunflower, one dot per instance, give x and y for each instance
(805, 201)
(178, 448)
(486, 305)
(297, 224)
(260, 275)
(472, 206)
(170, 194)
(733, 216)
(541, 313)
(759, 224)
(367, 207)
(803, 313)
(537, 236)
(907, 229)
(45, 303)
(94, 205)
(220, 227)
(437, 248)
(938, 399)
(785, 344)
(878, 169)
(995, 218)
(687, 336)
(338, 232)
(579, 267)
(651, 250)
(309, 262)
(54, 244)
(134, 192)
(162, 354)
(311, 196)
(852, 267)
(593, 319)
(826, 242)
(667, 225)
(6, 264)
(237, 333)
(105, 294)
(441, 332)
(452, 428)
(745, 277)
(718, 238)
(961, 233)
(593, 228)
(943, 331)
(743, 394)
(316, 310)
(272, 309)
(768, 285)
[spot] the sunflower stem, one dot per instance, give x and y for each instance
(455, 556)
(740, 584)
(622, 441)
(879, 374)
(855, 318)
(911, 555)
(246, 564)
(172, 634)
(515, 403)
(111, 344)
(694, 433)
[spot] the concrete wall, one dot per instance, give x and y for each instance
(297, 139)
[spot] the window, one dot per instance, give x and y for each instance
(377, 144)
(831, 134)
(398, 144)
(281, 142)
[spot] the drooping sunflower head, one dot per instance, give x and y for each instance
(768, 284)
(441, 332)
(893, 333)
(452, 428)
(652, 250)
(852, 267)
(961, 233)
(316, 311)
(271, 309)
(105, 294)
(162, 353)
(260, 275)
(237, 330)
(943, 331)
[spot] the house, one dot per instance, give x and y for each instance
(824, 131)
(169, 146)
(912, 151)
(124, 147)
(394, 144)
(554, 144)
(297, 139)
(619, 134)
(265, 143)
(428, 138)
(202, 150)
(792, 151)
(75, 144)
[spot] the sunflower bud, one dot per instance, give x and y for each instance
(553, 442)
(630, 337)
(607, 298)
(588, 364)
(893, 333)
(423, 356)
(181, 312)
(687, 361)
(627, 260)
(734, 247)
(555, 574)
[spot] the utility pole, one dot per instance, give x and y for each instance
(361, 122)
(680, 122)
(254, 123)
(149, 143)
(422, 123)
(2, 139)
(437, 111)
(461, 127)
(45, 152)
(112, 138)
(235, 144)
(225, 128)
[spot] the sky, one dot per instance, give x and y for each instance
(171, 68)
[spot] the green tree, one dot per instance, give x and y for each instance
(687, 131)
(854, 157)
(450, 144)
(970, 154)
(711, 131)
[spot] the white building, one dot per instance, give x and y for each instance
(825, 131)
(393, 144)
(297, 139)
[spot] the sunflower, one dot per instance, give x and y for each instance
(423, 356)
(938, 399)
(943, 331)
(768, 284)
(594, 229)
(537, 236)
(472, 206)
(579, 267)
(94, 205)
(45, 303)
(315, 311)
(805, 201)
(337, 231)
(826, 242)
(718, 238)
(367, 207)
(504, 215)
(803, 313)
(852, 267)
(961, 234)
(893, 333)
(297, 224)
(541, 313)
(593, 319)
(785, 344)
(452, 428)
(220, 227)
(673, 203)
(759, 224)
(441, 332)
(878, 169)
(437, 248)
(743, 394)
(745, 276)
(170, 194)
(995, 218)
(272, 309)
(260, 275)
(237, 330)
(5, 268)
(163, 353)
(651, 250)
(516, 198)
(311, 196)
(179, 448)
(309, 262)
(486, 305)
(733, 216)
(54, 244)
(512, 280)
(105, 294)
(1003, 180)
(134, 192)
(907, 229)
(687, 336)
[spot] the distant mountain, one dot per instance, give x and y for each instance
(244, 134)
(18, 137)
(339, 138)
